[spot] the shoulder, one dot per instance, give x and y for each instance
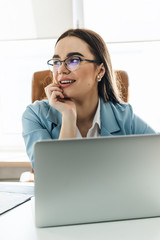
(42, 111)
(122, 114)
(118, 109)
(37, 108)
(122, 109)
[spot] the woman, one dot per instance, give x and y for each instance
(83, 100)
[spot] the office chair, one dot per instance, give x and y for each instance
(42, 78)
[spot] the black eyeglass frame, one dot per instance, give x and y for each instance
(80, 59)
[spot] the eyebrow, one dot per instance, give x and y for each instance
(69, 55)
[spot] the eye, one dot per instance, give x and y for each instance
(73, 60)
(56, 62)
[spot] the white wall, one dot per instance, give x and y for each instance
(123, 20)
(32, 19)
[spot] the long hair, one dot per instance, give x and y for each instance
(107, 87)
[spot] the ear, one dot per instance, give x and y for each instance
(101, 70)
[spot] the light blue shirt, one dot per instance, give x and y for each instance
(41, 121)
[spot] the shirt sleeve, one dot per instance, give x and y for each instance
(33, 130)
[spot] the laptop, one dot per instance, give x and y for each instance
(97, 179)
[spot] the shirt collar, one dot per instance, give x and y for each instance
(109, 123)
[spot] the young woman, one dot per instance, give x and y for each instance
(83, 100)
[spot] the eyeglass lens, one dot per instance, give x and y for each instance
(71, 63)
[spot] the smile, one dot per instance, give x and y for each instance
(66, 82)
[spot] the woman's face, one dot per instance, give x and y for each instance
(81, 83)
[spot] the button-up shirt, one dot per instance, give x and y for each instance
(94, 131)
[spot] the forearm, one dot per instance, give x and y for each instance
(68, 128)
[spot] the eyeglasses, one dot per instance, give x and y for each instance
(71, 63)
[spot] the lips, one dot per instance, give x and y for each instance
(66, 82)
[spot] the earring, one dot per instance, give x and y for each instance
(98, 78)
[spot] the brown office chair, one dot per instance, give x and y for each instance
(43, 78)
(123, 84)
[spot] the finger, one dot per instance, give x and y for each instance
(55, 81)
(55, 88)
(56, 95)
(50, 89)
(52, 85)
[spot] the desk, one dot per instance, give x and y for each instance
(18, 224)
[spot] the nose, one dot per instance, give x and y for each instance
(62, 68)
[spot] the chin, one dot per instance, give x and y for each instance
(68, 94)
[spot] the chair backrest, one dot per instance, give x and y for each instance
(123, 84)
(41, 79)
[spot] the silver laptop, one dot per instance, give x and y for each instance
(97, 179)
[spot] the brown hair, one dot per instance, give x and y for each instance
(107, 88)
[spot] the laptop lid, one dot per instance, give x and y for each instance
(97, 179)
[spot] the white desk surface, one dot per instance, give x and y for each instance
(19, 224)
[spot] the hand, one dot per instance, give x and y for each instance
(57, 100)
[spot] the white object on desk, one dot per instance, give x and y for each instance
(13, 194)
(19, 224)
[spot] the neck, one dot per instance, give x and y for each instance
(86, 110)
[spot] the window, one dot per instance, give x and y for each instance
(18, 61)
(141, 61)
(119, 21)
